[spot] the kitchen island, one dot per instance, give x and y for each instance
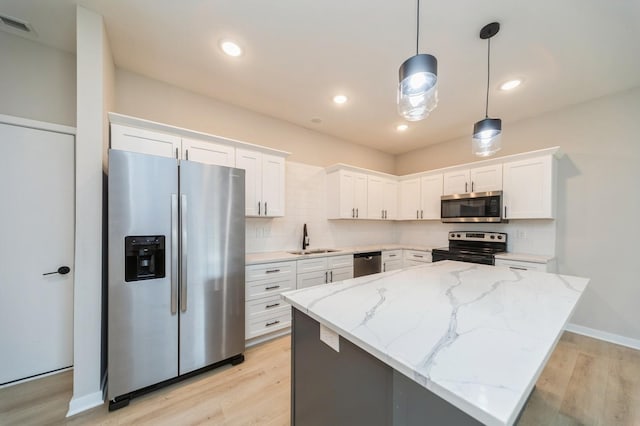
(444, 343)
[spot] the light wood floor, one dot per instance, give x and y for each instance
(586, 382)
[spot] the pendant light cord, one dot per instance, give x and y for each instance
(417, 26)
(486, 107)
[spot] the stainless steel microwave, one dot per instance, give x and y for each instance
(472, 207)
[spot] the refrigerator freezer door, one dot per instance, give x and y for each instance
(212, 282)
(143, 331)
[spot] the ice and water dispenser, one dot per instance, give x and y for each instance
(144, 257)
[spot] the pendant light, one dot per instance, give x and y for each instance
(487, 132)
(418, 87)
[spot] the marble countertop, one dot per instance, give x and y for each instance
(477, 336)
(281, 256)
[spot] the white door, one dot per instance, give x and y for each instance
(390, 203)
(456, 182)
(37, 228)
(488, 178)
(360, 195)
(375, 197)
(410, 199)
(430, 193)
(347, 195)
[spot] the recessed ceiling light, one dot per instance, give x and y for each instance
(511, 84)
(340, 99)
(402, 127)
(230, 48)
(316, 120)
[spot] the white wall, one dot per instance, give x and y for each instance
(306, 203)
(598, 201)
(37, 81)
(95, 80)
(143, 97)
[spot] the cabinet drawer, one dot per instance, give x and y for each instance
(334, 262)
(311, 265)
(309, 279)
(522, 266)
(276, 270)
(392, 265)
(269, 287)
(340, 274)
(266, 323)
(391, 255)
(408, 263)
(265, 305)
(417, 256)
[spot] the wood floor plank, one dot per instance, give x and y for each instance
(585, 382)
(585, 394)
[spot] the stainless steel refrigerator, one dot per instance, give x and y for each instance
(176, 270)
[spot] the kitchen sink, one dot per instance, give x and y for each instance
(312, 251)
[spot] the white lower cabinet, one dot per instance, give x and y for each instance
(324, 270)
(265, 311)
(391, 260)
(519, 265)
(416, 257)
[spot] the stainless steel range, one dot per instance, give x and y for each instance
(473, 247)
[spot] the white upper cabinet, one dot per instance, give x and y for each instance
(477, 179)
(529, 188)
(382, 198)
(420, 197)
(346, 195)
(485, 179)
(208, 152)
(127, 138)
(264, 182)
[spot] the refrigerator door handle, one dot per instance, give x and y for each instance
(174, 254)
(183, 251)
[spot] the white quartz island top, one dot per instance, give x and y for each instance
(477, 336)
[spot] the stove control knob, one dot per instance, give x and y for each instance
(493, 236)
(499, 237)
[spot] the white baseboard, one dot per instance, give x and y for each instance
(83, 403)
(36, 377)
(603, 335)
(267, 337)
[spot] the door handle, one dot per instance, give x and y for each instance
(353, 213)
(183, 248)
(63, 270)
(259, 205)
(421, 214)
(326, 277)
(265, 209)
(330, 276)
(357, 213)
(417, 214)
(465, 186)
(472, 186)
(174, 253)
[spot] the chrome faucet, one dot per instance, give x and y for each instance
(305, 237)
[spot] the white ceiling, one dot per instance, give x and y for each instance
(299, 53)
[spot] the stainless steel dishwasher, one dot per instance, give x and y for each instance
(367, 263)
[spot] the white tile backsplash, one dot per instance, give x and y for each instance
(306, 203)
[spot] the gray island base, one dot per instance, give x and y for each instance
(444, 343)
(351, 387)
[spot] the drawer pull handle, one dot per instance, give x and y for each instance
(273, 287)
(272, 271)
(392, 255)
(269, 324)
(418, 255)
(519, 269)
(273, 305)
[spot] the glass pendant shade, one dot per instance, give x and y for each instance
(418, 87)
(486, 139)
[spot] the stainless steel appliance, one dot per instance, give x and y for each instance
(367, 263)
(472, 207)
(176, 271)
(472, 246)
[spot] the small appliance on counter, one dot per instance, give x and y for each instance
(472, 247)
